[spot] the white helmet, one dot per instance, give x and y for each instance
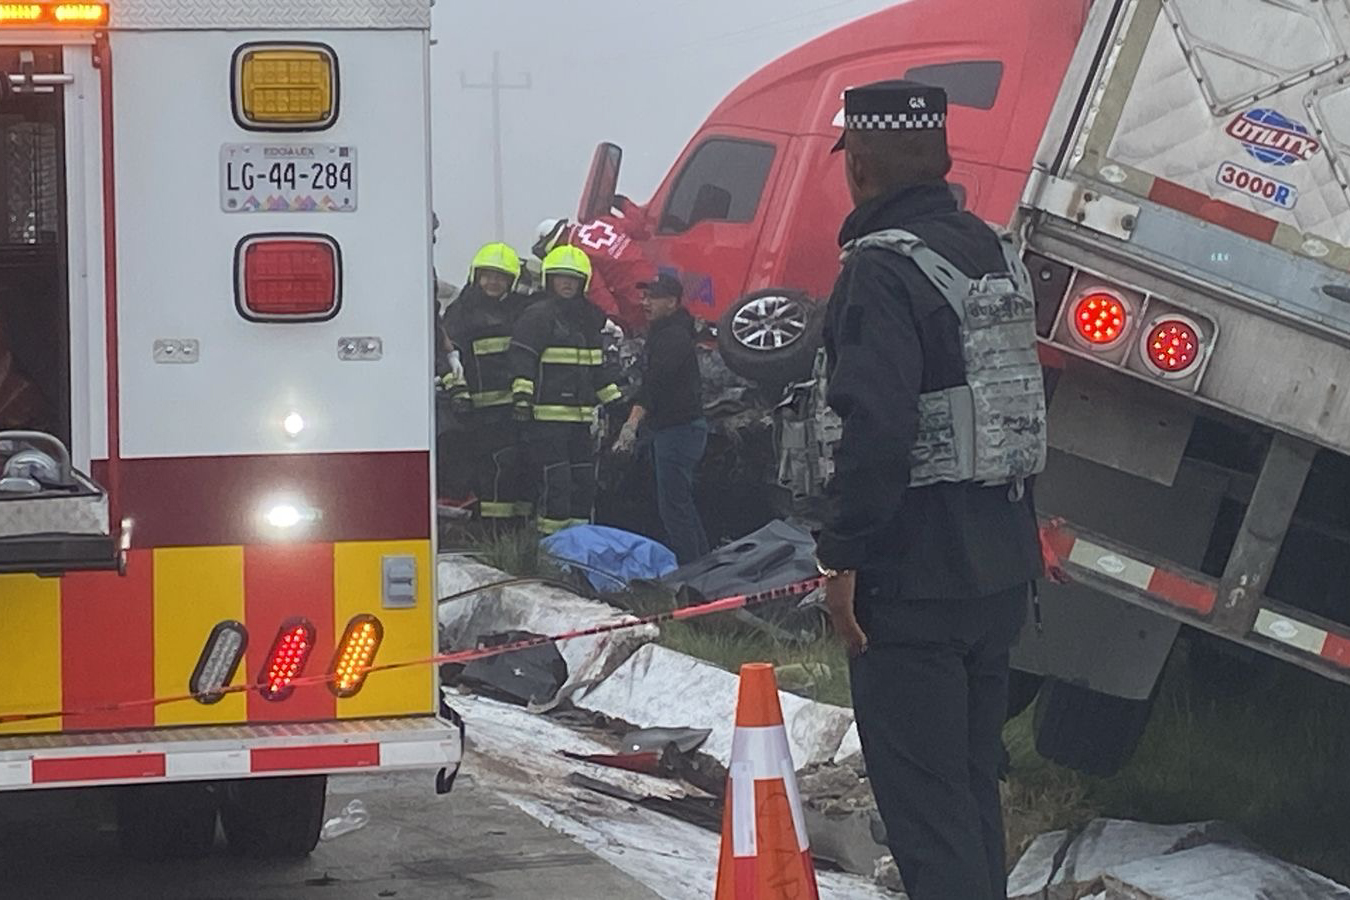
(550, 232)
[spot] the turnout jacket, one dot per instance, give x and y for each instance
(480, 328)
(889, 337)
(557, 361)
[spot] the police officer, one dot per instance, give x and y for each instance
(930, 544)
(479, 325)
(560, 377)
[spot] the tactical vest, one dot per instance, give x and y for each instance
(990, 430)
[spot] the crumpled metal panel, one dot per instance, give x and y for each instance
(266, 14)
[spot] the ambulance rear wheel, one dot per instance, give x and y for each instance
(166, 821)
(770, 337)
(276, 818)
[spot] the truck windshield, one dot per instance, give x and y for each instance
(722, 182)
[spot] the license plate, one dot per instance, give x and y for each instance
(287, 178)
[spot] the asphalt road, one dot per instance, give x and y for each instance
(468, 844)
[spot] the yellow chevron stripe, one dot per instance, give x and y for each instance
(195, 588)
(30, 645)
(408, 633)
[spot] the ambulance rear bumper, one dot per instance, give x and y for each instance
(230, 752)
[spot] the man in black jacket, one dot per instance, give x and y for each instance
(670, 402)
(928, 568)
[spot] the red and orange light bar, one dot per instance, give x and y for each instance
(39, 14)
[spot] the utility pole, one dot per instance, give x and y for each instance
(496, 86)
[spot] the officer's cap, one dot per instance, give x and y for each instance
(893, 106)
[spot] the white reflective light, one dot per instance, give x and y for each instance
(284, 515)
(294, 423)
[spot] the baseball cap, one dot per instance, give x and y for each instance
(665, 285)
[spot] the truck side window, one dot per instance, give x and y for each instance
(722, 182)
(973, 84)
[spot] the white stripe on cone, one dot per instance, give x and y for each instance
(761, 753)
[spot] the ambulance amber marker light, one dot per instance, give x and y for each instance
(20, 12)
(355, 654)
(286, 662)
(219, 661)
(80, 13)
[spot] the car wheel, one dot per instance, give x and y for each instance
(770, 337)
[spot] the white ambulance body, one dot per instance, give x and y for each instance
(216, 290)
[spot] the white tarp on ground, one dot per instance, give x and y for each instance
(518, 754)
(535, 608)
(660, 687)
(1135, 861)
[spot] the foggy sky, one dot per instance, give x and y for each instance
(641, 73)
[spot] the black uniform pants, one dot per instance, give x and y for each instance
(498, 468)
(562, 455)
(930, 696)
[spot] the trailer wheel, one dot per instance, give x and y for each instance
(276, 818)
(770, 337)
(166, 821)
(1087, 730)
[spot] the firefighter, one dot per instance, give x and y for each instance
(560, 379)
(929, 547)
(614, 245)
(479, 325)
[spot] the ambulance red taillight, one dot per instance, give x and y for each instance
(286, 660)
(288, 278)
(1172, 346)
(219, 661)
(355, 654)
(1100, 318)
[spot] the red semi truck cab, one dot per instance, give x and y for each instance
(741, 217)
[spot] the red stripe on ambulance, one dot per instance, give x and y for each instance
(98, 768)
(107, 644)
(279, 580)
(300, 759)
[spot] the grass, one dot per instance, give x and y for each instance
(1270, 757)
(1271, 760)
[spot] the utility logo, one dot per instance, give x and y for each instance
(1273, 138)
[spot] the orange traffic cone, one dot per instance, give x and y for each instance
(765, 854)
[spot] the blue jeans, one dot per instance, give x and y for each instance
(676, 451)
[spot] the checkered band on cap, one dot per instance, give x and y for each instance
(908, 121)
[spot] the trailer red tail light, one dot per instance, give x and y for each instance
(288, 278)
(355, 653)
(1172, 346)
(286, 661)
(1100, 318)
(219, 661)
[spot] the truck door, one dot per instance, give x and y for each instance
(708, 218)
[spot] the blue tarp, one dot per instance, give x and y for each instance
(608, 557)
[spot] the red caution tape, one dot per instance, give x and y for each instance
(725, 604)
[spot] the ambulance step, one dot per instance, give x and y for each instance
(226, 752)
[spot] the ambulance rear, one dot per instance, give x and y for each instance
(215, 301)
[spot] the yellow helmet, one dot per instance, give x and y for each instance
(568, 260)
(497, 257)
